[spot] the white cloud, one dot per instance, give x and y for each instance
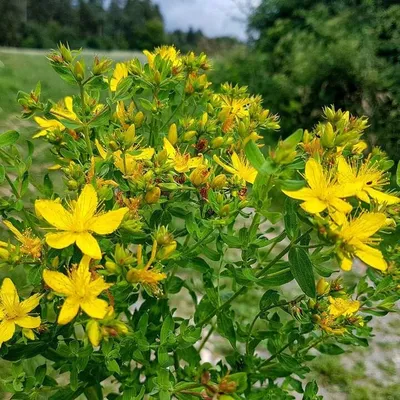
(213, 17)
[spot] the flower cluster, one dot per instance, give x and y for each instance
(161, 174)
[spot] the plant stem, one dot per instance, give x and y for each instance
(202, 344)
(86, 132)
(26, 215)
(258, 275)
(282, 349)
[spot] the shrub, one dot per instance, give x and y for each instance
(171, 222)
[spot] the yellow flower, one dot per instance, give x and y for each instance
(46, 126)
(129, 166)
(240, 167)
(66, 110)
(78, 223)
(355, 236)
(323, 191)
(345, 307)
(13, 312)
(80, 289)
(30, 244)
(329, 325)
(120, 72)
(365, 179)
(149, 278)
(181, 162)
(168, 53)
(232, 110)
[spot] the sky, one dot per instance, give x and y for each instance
(213, 17)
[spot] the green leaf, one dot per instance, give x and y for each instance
(398, 174)
(8, 138)
(254, 155)
(269, 297)
(332, 349)
(2, 173)
(302, 270)
(290, 219)
(226, 328)
(167, 328)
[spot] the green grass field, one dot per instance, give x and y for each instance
(22, 69)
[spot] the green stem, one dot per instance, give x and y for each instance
(26, 215)
(202, 344)
(93, 392)
(260, 274)
(86, 132)
(282, 349)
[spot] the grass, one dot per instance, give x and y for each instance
(21, 70)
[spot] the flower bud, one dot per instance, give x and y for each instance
(112, 267)
(28, 333)
(157, 77)
(72, 184)
(323, 287)
(93, 332)
(153, 195)
(219, 182)
(79, 71)
(173, 134)
(101, 66)
(224, 210)
(55, 262)
(65, 52)
(138, 120)
(242, 129)
(164, 252)
(189, 135)
(217, 142)
(328, 136)
(200, 175)
(163, 237)
(129, 136)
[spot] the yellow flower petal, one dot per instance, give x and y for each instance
(60, 240)
(171, 152)
(97, 286)
(365, 226)
(95, 308)
(226, 167)
(30, 303)
(88, 245)
(305, 194)
(314, 174)
(27, 322)
(346, 264)
(340, 205)
(68, 311)
(382, 198)
(108, 222)
(372, 257)
(7, 329)
(59, 282)
(8, 293)
(313, 206)
(54, 213)
(100, 149)
(86, 205)
(14, 230)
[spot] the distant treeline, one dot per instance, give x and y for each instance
(97, 24)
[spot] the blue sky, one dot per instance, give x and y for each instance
(213, 17)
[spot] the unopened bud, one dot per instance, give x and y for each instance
(219, 182)
(79, 71)
(173, 134)
(138, 120)
(217, 142)
(200, 175)
(189, 135)
(224, 210)
(153, 195)
(323, 287)
(129, 136)
(93, 332)
(65, 52)
(328, 136)
(164, 252)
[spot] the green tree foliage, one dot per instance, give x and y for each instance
(325, 52)
(123, 24)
